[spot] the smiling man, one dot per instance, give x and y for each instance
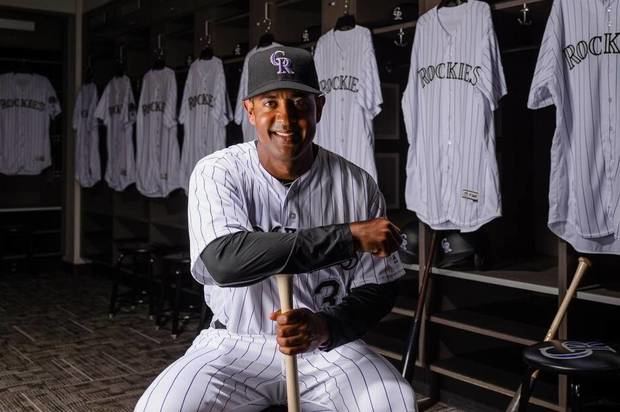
(281, 204)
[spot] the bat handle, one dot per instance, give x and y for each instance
(285, 291)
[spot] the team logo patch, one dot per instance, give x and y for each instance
(284, 64)
(574, 350)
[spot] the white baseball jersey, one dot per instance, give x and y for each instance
(349, 79)
(455, 82)
(241, 116)
(27, 104)
(87, 160)
(240, 368)
(578, 70)
(157, 155)
(205, 112)
(117, 109)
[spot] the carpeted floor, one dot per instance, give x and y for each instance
(60, 352)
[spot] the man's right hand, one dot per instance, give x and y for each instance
(377, 236)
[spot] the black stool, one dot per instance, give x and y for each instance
(178, 277)
(575, 359)
(141, 256)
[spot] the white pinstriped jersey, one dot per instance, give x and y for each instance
(157, 154)
(230, 191)
(27, 103)
(87, 160)
(578, 71)
(349, 79)
(455, 82)
(205, 112)
(117, 109)
(241, 116)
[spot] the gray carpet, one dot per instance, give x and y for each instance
(60, 352)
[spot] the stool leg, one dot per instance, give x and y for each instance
(575, 396)
(117, 279)
(178, 281)
(526, 389)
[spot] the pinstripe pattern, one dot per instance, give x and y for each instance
(27, 103)
(117, 109)
(205, 112)
(455, 82)
(240, 368)
(87, 160)
(578, 71)
(157, 154)
(349, 78)
(222, 371)
(241, 116)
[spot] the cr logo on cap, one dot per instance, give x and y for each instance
(283, 63)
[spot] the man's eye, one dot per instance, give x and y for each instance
(301, 103)
(270, 103)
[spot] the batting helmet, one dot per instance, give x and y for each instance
(457, 248)
(409, 246)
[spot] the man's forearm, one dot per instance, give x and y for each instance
(244, 258)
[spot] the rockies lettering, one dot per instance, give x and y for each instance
(450, 71)
(597, 45)
(153, 107)
(203, 99)
(25, 103)
(340, 82)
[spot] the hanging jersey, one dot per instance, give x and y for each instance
(349, 79)
(27, 104)
(230, 191)
(157, 154)
(117, 109)
(205, 112)
(455, 81)
(87, 160)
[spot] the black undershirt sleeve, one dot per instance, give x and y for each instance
(245, 258)
(359, 311)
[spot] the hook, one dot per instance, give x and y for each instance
(524, 21)
(401, 35)
(207, 37)
(121, 52)
(266, 20)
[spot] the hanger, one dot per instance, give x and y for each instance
(346, 21)
(159, 62)
(207, 52)
(119, 71)
(450, 3)
(265, 39)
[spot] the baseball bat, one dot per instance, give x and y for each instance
(411, 348)
(285, 290)
(584, 265)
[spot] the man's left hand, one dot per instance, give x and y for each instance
(299, 330)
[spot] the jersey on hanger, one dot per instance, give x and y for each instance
(27, 104)
(157, 154)
(205, 112)
(455, 82)
(117, 109)
(578, 71)
(349, 79)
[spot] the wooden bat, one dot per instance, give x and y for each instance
(584, 265)
(285, 291)
(411, 348)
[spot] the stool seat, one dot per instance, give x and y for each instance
(571, 357)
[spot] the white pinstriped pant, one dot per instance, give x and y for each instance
(227, 372)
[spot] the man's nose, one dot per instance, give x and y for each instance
(286, 112)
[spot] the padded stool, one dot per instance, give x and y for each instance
(179, 278)
(141, 256)
(575, 359)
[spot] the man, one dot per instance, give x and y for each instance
(281, 204)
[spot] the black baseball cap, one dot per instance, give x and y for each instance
(281, 67)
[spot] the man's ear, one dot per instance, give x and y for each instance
(320, 103)
(249, 108)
